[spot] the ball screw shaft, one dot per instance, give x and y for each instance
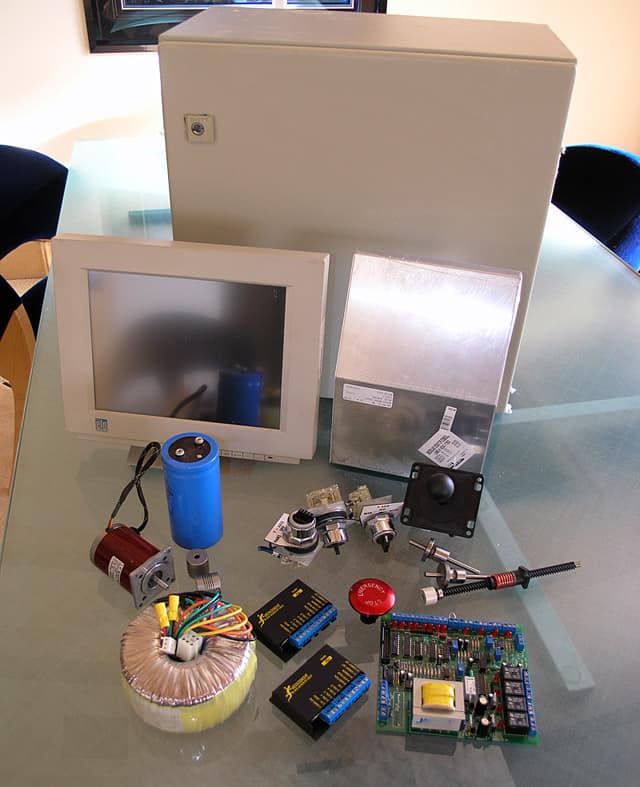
(440, 555)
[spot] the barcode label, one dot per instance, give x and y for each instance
(447, 418)
(446, 449)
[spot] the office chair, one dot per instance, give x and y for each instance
(599, 187)
(31, 190)
(32, 301)
(17, 343)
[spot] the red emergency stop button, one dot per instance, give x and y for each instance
(371, 598)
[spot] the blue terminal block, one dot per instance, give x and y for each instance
(402, 617)
(455, 624)
(383, 701)
(345, 699)
(315, 624)
(531, 712)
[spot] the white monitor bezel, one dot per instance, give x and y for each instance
(303, 274)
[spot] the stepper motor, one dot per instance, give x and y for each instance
(134, 563)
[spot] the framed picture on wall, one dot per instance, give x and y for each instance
(134, 25)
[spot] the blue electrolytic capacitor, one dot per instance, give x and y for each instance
(488, 642)
(191, 463)
(498, 654)
(460, 670)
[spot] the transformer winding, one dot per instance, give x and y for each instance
(184, 696)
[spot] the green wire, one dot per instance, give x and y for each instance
(206, 615)
(199, 614)
(201, 618)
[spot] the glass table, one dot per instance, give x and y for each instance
(561, 484)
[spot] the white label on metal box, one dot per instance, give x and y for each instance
(447, 418)
(374, 396)
(446, 449)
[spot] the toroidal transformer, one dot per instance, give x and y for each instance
(190, 696)
(133, 562)
(191, 464)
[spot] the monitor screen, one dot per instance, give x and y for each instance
(200, 349)
(158, 338)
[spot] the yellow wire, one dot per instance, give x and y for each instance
(226, 629)
(240, 623)
(208, 630)
(232, 612)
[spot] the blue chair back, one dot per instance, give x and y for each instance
(31, 190)
(599, 187)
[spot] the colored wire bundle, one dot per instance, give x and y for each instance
(204, 614)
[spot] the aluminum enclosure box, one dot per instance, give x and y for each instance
(399, 136)
(421, 359)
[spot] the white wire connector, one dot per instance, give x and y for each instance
(189, 646)
(168, 645)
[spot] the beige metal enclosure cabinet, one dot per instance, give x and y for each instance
(336, 132)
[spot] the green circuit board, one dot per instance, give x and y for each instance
(465, 679)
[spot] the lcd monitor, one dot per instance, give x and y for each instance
(158, 338)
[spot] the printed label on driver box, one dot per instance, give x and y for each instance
(373, 396)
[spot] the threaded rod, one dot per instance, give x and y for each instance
(521, 576)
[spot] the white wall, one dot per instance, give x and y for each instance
(602, 34)
(53, 91)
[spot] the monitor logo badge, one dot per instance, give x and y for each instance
(102, 424)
